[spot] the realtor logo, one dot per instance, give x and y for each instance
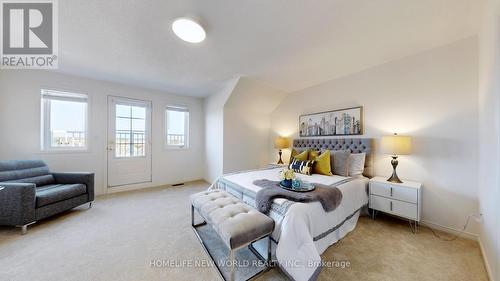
(29, 34)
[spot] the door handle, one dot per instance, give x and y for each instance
(110, 148)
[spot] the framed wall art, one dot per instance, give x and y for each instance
(341, 122)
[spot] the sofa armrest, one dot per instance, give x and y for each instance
(83, 178)
(17, 203)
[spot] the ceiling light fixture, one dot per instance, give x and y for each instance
(188, 30)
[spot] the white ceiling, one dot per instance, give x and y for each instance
(289, 44)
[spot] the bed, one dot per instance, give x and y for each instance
(303, 231)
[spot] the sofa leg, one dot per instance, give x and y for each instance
(90, 205)
(24, 228)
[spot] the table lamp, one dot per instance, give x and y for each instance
(281, 143)
(395, 145)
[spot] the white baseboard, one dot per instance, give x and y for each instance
(209, 181)
(129, 187)
(132, 187)
(485, 259)
(465, 235)
(450, 230)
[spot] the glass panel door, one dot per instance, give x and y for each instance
(129, 145)
(130, 131)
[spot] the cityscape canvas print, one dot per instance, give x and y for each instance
(332, 123)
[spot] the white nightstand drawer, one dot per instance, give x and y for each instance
(395, 207)
(394, 191)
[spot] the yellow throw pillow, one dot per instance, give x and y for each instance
(299, 156)
(322, 164)
(312, 155)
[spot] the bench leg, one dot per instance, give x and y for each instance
(192, 219)
(232, 261)
(269, 250)
(192, 215)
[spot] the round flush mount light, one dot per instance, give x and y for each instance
(188, 30)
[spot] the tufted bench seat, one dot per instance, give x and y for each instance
(236, 223)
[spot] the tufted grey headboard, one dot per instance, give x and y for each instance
(356, 145)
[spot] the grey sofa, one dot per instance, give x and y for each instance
(29, 192)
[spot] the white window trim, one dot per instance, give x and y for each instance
(64, 95)
(181, 108)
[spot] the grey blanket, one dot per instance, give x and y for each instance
(329, 197)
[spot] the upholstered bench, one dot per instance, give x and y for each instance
(236, 223)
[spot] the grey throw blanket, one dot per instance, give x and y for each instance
(329, 197)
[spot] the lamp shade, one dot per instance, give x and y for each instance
(281, 143)
(396, 145)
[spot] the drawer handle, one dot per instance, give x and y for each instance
(391, 205)
(391, 191)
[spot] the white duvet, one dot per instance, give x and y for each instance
(303, 230)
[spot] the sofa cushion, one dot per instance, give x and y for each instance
(25, 171)
(53, 193)
(38, 181)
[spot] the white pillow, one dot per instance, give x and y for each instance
(356, 164)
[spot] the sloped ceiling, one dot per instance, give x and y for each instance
(253, 96)
(288, 44)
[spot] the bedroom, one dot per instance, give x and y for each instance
(193, 112)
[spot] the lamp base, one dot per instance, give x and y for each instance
(280, 161)
(394, 177)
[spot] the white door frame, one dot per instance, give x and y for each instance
(145, 161)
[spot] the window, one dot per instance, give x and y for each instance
(130, 130)
(64, 120)
(177, 127)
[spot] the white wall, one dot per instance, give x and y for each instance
(431, 96)
(214, 131)
(247, 120)
(20, 126)
(246, 140)
(237, 123)
(489, 134)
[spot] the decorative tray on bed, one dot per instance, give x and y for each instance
(304, 187)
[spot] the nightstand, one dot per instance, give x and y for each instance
(400, 199)
(275, 165)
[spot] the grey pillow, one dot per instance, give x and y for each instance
(339, 160)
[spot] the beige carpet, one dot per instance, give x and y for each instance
(123, 233)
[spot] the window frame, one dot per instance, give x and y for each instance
(49, 94)
(180, 108)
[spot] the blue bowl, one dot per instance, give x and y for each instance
(286, 183)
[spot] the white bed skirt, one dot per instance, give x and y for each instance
(322, 244)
